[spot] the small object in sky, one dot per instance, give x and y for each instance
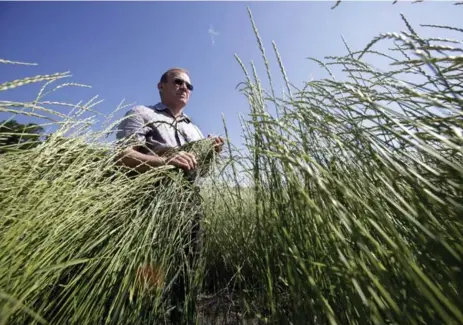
(213, 33)
(336, 4)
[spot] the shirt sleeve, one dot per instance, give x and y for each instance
(200, 134)
(132, 128)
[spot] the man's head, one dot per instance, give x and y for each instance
(175, 88)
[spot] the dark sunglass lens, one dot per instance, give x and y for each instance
(180, 83)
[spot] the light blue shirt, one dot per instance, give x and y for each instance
(154, 128)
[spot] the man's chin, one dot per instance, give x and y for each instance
(182, 101)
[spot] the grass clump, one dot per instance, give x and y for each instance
(76, 232)
(84, 240)
(355, 211)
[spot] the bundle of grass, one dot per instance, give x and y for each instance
(355, 215)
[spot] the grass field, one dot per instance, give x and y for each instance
(345, 209)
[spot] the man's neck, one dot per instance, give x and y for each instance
(175, 111)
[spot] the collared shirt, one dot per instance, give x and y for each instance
(155, 128)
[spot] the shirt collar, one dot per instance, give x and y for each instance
(162, 107)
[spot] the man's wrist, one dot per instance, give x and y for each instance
(163, 161)
(157, 161)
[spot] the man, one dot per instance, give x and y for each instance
(153, 130)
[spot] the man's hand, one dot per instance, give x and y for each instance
(183, 160)
(218, 144)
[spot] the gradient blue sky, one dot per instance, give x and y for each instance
(122, 48)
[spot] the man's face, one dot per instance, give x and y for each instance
(176, 90)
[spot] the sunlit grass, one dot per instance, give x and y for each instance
(346, 207)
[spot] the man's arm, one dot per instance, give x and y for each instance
(133, 127)
(141, 162)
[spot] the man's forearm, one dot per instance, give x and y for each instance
(139, 161)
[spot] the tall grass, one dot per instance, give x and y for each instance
(84, 240)
(346, 208)
(77, 234)
(355, 214)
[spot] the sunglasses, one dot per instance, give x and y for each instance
(180, 82)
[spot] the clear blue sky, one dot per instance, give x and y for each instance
(122, 48)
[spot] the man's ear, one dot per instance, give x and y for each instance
(160, 86)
